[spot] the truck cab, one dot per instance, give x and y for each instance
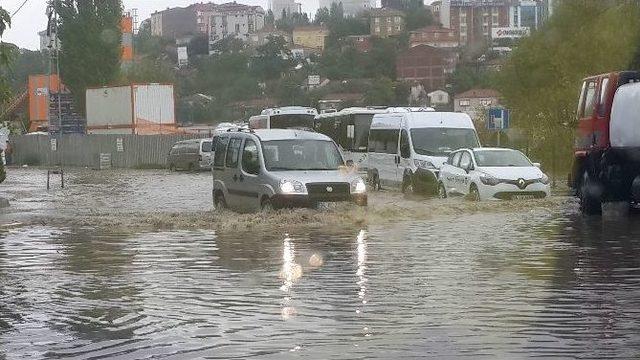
(599, 173)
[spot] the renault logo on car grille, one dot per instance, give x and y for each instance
(521, 183)
(329, 189)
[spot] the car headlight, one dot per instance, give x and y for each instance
(489, 180)
(544, 179)
(423, 164)
(358, 187)
(291, 187)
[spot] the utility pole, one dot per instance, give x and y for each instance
(54, 60)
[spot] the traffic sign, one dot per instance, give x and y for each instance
(498, 119)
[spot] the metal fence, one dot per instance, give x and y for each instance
(127, 151)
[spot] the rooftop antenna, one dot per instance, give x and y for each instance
(54, 56)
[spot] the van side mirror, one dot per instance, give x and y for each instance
(350, 163)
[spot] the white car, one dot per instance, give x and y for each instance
(492, 174)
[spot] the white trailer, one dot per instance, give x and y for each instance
(142, 109)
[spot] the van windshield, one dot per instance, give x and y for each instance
(442, 141)
(287, 121)
(286, 155)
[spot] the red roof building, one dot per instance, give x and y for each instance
(426, 64)
(434, 36)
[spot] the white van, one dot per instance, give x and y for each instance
(407, 147)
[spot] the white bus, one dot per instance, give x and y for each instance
(284, 118)
(349, 128)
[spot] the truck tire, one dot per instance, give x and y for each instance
(590, 199)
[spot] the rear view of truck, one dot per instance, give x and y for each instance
(607, 149)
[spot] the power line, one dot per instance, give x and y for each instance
(19, 8)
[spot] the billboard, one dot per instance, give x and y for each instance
(510, 32)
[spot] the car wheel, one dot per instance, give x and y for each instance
(590, 200)
(407, 186)
(474, 193)
(266, 205)
(442, 192)
(219, 203)
(374, 182)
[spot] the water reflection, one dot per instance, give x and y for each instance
(484, 285)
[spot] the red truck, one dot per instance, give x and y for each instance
(606, 163)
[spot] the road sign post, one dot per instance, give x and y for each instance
(498, 121)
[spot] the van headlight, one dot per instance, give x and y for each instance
(358, 187)
(291, 187)
(424, 164)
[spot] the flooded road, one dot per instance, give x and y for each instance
(404, 279)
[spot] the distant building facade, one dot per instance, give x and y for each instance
(313, 37)
(434, 36)
(287, 6)
(349, 7)
(438, 98)
(261, 37)
(234, 20)
(387, 22)
(476, 101)
(473, 20)
(427, 65)
(362, 43)
(174, 23)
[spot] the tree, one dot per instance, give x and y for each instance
(417, 15)
(269, 19)
(90, 35)
(199, 45)
(542, 78)
(273, 59)
(5, 55)
(322, 16)
(381, 92)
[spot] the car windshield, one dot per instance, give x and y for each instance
(287, 121)
(286, 155)
(442, 141)
(501, 158)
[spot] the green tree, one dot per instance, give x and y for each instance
(381, 92)
(322, 16)
(90, 35)
(272, 59)
(269, 19)
(541, 80)
(418, 16)
(5, 55)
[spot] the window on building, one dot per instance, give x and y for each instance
(485, 102)
(398, 19)
(464, 102)
(378, 29)
(495, 19)
(389, 29)
(376, 20)
(398, 28)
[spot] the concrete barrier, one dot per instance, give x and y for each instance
(127, 151)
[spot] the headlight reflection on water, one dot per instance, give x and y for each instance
(289, 274)
(361, 251)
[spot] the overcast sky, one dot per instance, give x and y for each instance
(31, 18)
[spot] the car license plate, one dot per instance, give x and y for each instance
(522, 197)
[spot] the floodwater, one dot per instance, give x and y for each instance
(514, 280)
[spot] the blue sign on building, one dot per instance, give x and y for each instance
(498, 119)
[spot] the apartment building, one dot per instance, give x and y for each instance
(387, 22)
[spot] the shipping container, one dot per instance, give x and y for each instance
(39, 99)
(142, 109)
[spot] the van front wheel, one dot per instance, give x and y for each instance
(219, 203)
(407, 186)
(266, 205)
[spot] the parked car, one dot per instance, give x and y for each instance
(492, 174)
(191, 155)
(407, 147)
(270, 169)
